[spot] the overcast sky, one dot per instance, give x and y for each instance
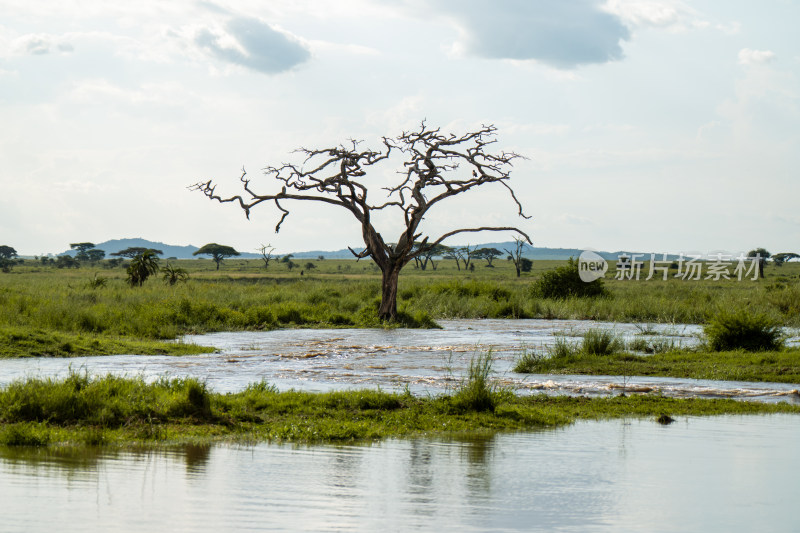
(655, 125)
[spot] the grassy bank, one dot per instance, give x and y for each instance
(128, 411)
(781, 366)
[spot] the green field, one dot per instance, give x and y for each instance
(45, 311)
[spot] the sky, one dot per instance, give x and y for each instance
(648, 125)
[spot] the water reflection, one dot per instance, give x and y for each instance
(706, 474)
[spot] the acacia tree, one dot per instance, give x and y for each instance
(760, 255)
(425, 258)
(467, 254)
(133, 251)
(7, 256)
(515, 256)
(431, 173)
(781, 258)
(82, 248)
(488, 254)
(218, 252)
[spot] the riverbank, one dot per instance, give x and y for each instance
(115, 411)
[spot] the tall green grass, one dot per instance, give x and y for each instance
(740, 329)
(66, 304)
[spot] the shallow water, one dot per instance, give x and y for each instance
(698, 474)
(425, 361)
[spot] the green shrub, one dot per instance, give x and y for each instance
(24, 434)
(563, 349)
(600, 342)
(565, 282)
(528, 362)
(732, 330)
(477, 392)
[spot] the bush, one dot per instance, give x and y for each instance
(732, 330)
(528, 362)
(600, 342)
(565, 282)
(477, 392)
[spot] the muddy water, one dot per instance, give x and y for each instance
(425, 361)
(707, 474)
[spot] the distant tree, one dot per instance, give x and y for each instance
(94, 255)
(67, 261)
(113, 263)
(761, 255)
(309, 266)
(467, 254)
(455, 255)
(7, 252)
(142, 267)
(489, 254)
(426, 256)
(526, 264)
(136, 250)
(781, 258)
(287, 258)
(82, 248)
(218, 252)
(515, 255)
(174, 275)
(7, 256)
(320, 258)
(266, 253)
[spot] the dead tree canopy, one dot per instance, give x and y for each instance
(436, 166)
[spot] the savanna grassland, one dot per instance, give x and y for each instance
(45, 311)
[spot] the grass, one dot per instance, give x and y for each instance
(731, 330)
(781, 366)
(47, 311)
(24, 342)
(80, 410)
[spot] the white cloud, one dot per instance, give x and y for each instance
(654, 13)
(560, 34)
(39, 44)
(750, 57)
(252, 43)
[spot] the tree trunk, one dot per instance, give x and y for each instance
(388, 308)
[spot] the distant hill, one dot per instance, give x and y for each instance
(185, 252)
(180, 252)
(531, 252)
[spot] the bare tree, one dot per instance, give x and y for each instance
(266, 253)
(431, 173)
(516, 254)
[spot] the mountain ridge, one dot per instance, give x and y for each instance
(186, 251)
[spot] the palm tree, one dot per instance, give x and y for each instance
(142, 267)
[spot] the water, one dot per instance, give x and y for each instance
(698, 474)
(424, 361)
